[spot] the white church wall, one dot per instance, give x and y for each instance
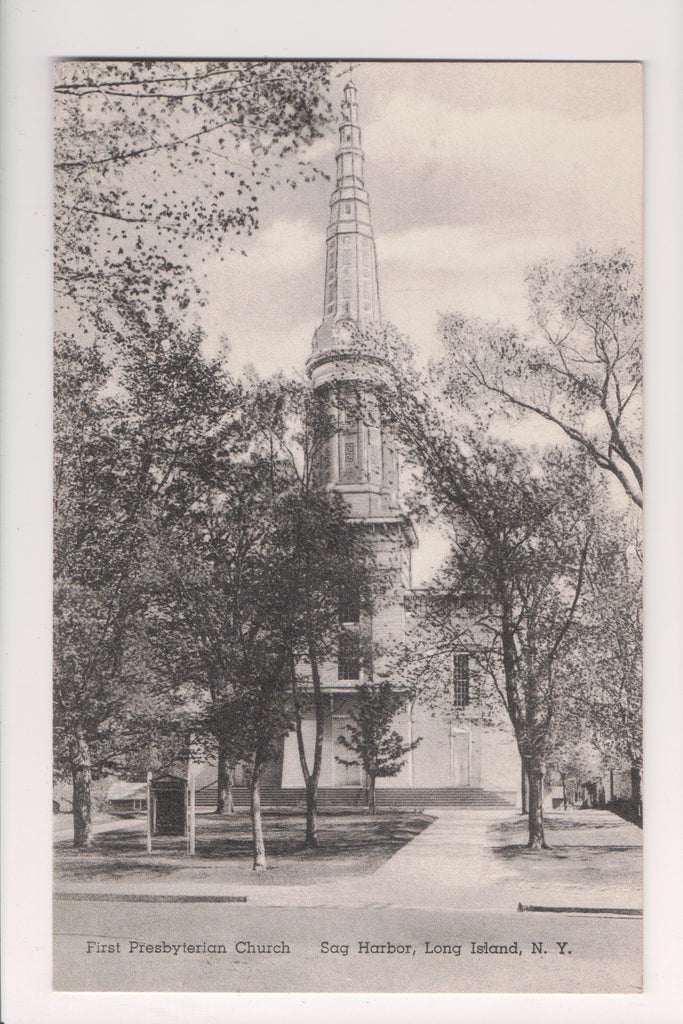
(500, 763)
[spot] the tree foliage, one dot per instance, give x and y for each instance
(520, 522)
(580, 367)
(120, 447)
(604, 671)
(378, 748)
(157, 163)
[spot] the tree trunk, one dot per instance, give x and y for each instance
(536, 833)
(372, 805)
(224, 802)
(81, 777)
(256, 824)
(636, 791)
(312, 841)
(311, 775)
(564, 791)
(525, 791)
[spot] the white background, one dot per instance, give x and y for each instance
(35, 33)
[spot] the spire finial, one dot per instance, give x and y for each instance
(348, 71)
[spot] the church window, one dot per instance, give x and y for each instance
(347, 208)
(347, 256)
(350, 453)
(347, 289)
(347, 239)
(348, 665)
(349, 603)
(461, 680)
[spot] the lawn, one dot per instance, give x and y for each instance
(590, 852)
(350, 844)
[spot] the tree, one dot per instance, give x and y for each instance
(251, 718)
(575, 754)
(217, 564)
(517, 571)
(322, 557)
(520, 526)
(158, 162)
(580, 369)
(605, 666)
(120, 443)
(378, 748)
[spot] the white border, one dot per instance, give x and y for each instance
(648, 30)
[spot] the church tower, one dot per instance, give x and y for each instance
(359, 458)
(356, 457)
(360, 461)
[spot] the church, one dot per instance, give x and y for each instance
(461, 758)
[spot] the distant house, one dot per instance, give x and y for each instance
(127, 798)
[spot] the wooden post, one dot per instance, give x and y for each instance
(192, 813)
(149, 812)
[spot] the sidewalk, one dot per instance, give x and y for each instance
(468, 859)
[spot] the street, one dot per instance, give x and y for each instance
(372, 948)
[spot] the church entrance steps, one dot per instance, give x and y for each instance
(413, 799)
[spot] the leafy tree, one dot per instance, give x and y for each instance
(520, 523)
(378, 749)
(255, 717)
(216, 564)
(579, 369)
(605, 664)
(119, 445)
(322, 557)
(575, 754)
(158, 162)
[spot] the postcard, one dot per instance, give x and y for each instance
(347, 538)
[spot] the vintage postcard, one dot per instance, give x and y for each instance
(348, 541)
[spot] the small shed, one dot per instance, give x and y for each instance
(168, 803)
(127, 799)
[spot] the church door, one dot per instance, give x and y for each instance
(344, 775)
(460, 758)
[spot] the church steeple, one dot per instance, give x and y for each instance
(351, 290)
(360, 460)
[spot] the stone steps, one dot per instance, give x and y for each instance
(273, 796)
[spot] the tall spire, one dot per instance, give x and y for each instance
(351, 290)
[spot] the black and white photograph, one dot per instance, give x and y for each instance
(340, 436)
(348, 548)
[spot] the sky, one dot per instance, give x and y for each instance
(475, 170)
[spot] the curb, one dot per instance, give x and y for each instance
(619, 911)
(111, 897)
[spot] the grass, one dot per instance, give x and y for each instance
(600, 854)
(350, 844)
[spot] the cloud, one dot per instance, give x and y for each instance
(513, 166)
(285, 246)
(267, 304)
(474, 171)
